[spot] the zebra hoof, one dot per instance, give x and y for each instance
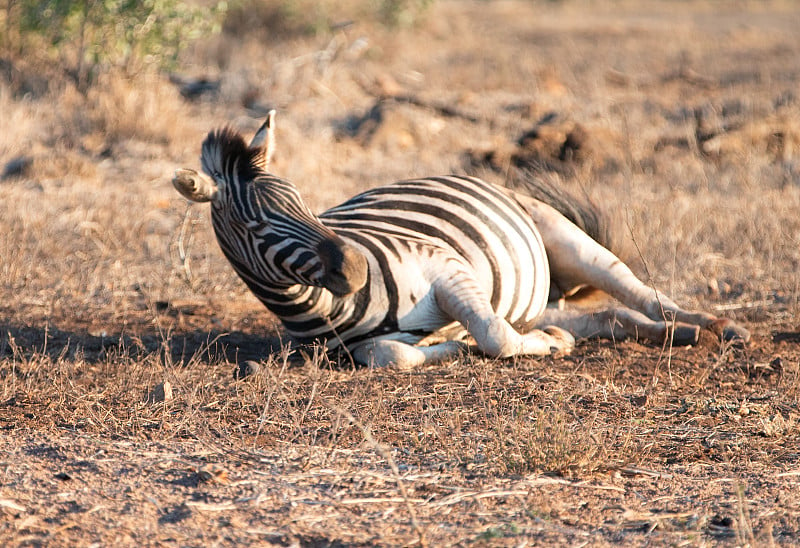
(684, 334)
(730, 331)
(564, 342)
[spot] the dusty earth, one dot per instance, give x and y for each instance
(122, 328)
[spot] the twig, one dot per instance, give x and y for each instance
(743, 306)
(379, 500)
(636, 471)
(11, 505)
(263, 418)
(744, 529)
(477, 495)
(182, 253)
(221, 507)
(444, 110)
(667, 345)
(544, 480)
(788, 474)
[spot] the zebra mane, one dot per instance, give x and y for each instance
(228, 148)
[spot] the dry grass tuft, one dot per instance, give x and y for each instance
(545, 440)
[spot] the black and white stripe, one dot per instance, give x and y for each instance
(404, 229)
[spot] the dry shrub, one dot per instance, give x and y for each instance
(69, 141)
(288, 18)
(145, 107)
(19, 124)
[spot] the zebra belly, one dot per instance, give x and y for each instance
(522, 301)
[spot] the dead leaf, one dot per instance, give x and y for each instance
(161, 392)
(211, 473)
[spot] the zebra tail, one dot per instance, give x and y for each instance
(581, 210)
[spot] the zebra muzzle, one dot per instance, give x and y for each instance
(194, 186)
(345, 268)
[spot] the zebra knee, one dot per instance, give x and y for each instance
(500, 340)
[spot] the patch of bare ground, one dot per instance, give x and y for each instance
(121, 325)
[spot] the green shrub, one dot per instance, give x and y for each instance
(402, 13)
(86, 35)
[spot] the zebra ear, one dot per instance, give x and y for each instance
(264, 139)
(194, 186)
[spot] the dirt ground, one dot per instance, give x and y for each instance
(122, 328)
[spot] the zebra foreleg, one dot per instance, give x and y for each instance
(576, 260)
(385, 352)
(460, 298)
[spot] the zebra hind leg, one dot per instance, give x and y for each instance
(620, 323)
(577, 260)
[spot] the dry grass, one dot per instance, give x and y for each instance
(112, 288)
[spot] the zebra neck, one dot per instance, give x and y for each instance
(297, 300)
(313, 313)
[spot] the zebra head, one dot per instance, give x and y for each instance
(197, 187)
(262, 223)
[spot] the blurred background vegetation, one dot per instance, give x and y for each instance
(80, 39)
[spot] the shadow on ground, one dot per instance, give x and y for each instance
(27, 342)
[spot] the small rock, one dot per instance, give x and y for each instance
(17, 167)
(246, 369)
(744, 410)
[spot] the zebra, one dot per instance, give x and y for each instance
(422, 270)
